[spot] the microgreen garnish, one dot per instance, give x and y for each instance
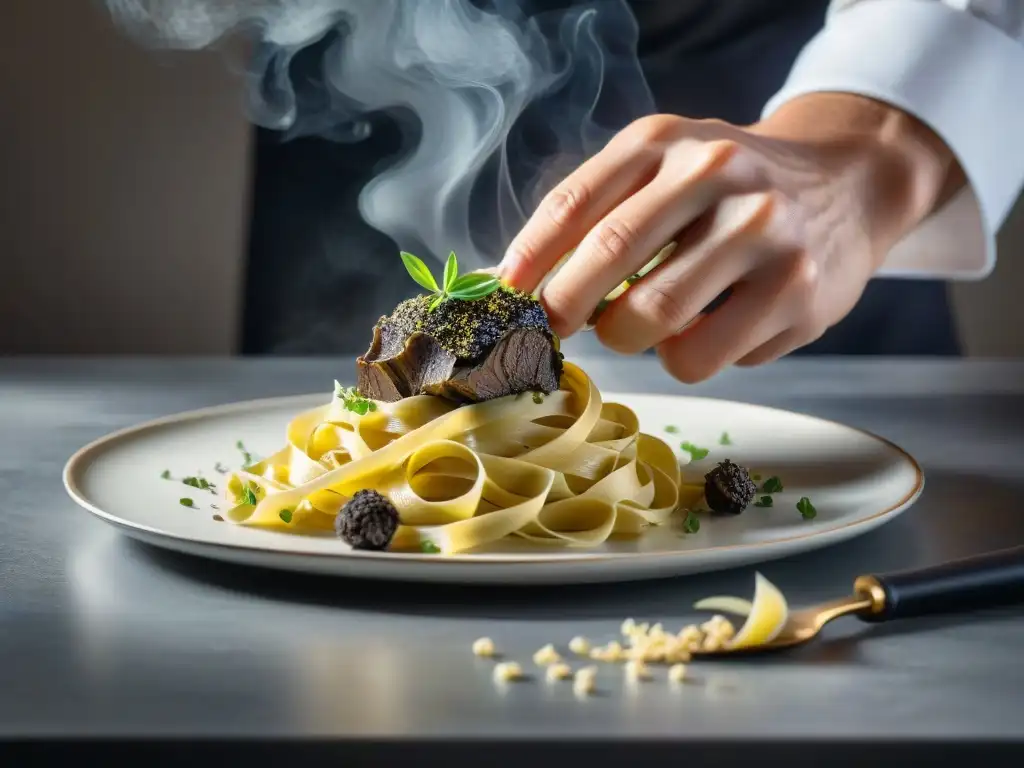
(247, 458)
(772, 485)
(764, 501)
(166, 474)
(249, 495)
(429, 548)
(285, 515)
(352, 400)
(671, 429)
(200, 482)
(469, 287)
(538, 398)
(806, 509)
(186, 502)
(695, 453)
(725, 439)
(691, 524)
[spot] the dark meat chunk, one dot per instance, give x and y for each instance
(466, 351)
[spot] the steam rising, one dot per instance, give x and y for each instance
(503, 102)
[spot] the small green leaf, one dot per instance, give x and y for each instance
(436, 302)
(246, 456)
(691, 524)
(538, 398)
(285, 515)
(418, 271)
(429, 548)
(695, 453)
(166, 474)
(451, 271)
(772, 485)
(806, 509)
(474, 286)
(186, 502)
(725, 439)
(672, 429)
(764, 501)
(249, 495)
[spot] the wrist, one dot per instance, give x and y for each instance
(905, 171)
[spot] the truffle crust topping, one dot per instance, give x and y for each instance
(468, 329)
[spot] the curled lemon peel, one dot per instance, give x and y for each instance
(766, 617)
(725, 604)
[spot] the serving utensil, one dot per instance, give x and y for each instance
(959, 586)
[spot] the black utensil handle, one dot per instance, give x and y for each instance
(982, 581)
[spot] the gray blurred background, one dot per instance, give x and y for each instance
(123, 199)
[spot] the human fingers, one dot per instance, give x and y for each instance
(573, 207)
(712, 255)
(777, 302)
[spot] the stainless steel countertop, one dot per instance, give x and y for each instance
(101, 636)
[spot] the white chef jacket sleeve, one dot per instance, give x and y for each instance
(956, 65)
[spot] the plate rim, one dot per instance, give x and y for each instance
(78, 461)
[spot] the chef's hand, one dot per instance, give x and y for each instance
(794, 214)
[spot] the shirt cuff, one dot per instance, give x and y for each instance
(958, 74)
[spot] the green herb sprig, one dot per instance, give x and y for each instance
(691, 524)
(806, 509)
(247, 458)
(352, 400)
(249, 495)
(772, 485)
(695, 453)
(764, 501)
(201, 483)
(469, 287)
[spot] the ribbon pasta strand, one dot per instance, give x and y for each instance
(564, 470)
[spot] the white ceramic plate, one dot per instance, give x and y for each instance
(856, 481)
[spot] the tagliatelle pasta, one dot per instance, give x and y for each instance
(564, 469)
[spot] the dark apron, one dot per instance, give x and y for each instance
(319, 277)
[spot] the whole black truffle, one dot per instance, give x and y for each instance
(728, 488)
(367, 521)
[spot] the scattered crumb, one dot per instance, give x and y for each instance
(611, 652)
(636, 670)
(580, 646)
(483, 647)
(546, 655)
(677, 673)
(584, 682)
(558, 671)
(507, 671)
(712, 643)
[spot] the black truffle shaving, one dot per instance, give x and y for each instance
(368, 521)
(728, 488)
